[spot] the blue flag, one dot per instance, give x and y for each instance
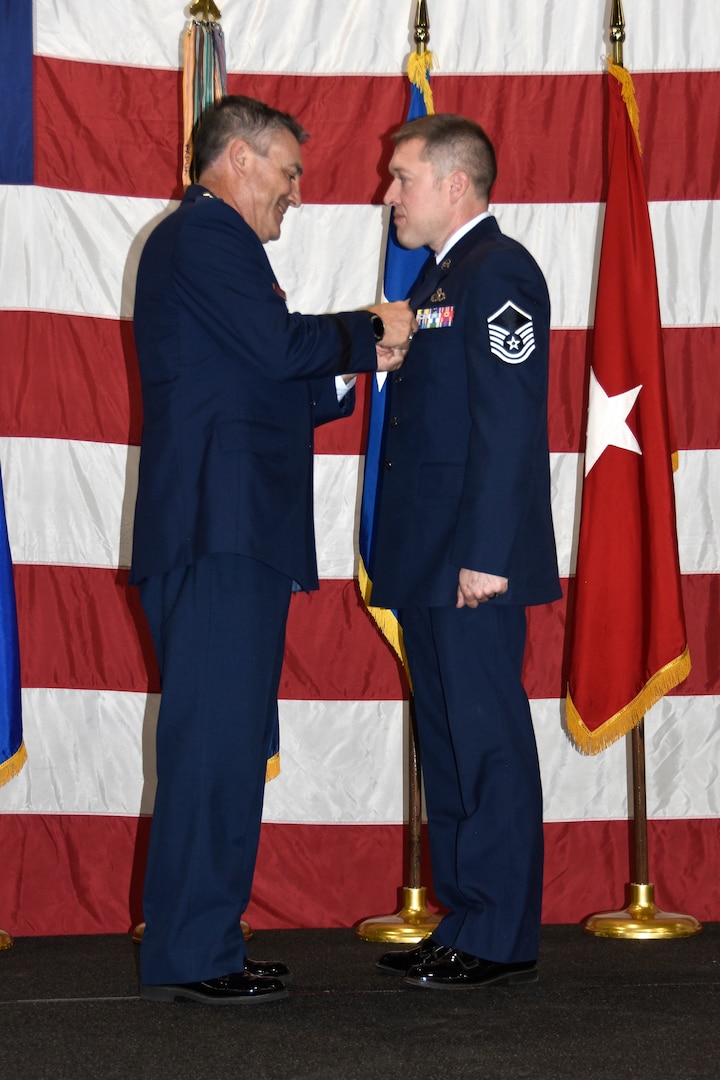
(12, 748)
(402, 267)
(16, 167)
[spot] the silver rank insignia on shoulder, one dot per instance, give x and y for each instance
(512, 335)
(434, 318)
(437, 297)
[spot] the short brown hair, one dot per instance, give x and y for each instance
(454, 142)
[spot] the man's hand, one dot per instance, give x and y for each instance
(399, 322)
(389, 359)
(475, 587)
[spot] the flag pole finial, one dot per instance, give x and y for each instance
(205, 9)
(617, 31)
(422, 28)
(421, 59)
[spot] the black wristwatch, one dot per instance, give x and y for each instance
(378, 326)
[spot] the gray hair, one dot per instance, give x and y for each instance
(235, 117)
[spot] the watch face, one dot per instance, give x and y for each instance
(378, 326)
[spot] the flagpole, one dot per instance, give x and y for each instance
(641, 918)
(203, 13)
(617, 31)
(413, 922)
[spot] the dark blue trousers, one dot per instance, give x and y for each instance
(219, 632)
(481, 776)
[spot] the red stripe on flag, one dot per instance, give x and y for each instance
(358, 868)
(135, 149)
(131, 124)
(74, 377)
(69, 377)
(82, 628)
(93, 636)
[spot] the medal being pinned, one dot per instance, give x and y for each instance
(435, 318)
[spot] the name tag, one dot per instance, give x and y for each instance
(435, 318)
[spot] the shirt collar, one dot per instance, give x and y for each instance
(460, 233)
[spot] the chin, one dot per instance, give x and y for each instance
(407, 241)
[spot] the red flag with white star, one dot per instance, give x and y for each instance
(628, 644)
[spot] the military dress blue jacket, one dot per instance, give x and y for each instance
(232, 388)
(465, 470)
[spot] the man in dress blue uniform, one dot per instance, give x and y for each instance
(232, 387)
(464, 541)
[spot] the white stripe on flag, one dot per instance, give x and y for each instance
(80, 254)
(92, 752)
(365, 36)
(71, 503)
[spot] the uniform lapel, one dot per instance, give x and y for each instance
(432, 274)
(426, 282)
(425, 269)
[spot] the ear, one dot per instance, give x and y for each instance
(239, 155)
(459, 183)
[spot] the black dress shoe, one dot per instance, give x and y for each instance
(457, 970)
(399, 963)
(237, 988)
(271, 969)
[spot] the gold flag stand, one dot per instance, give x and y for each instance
(413, 921)
(641, 918)
(6, 942)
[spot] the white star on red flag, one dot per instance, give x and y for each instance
(607, 422)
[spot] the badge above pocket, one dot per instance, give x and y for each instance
(435, 318)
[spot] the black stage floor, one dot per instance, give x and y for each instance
(603, 1008)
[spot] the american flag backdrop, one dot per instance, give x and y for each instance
(107, 140)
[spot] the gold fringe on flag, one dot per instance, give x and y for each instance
(385, 619)
(624, 77)
(12, 766)
(419, 67)
(622, 723)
